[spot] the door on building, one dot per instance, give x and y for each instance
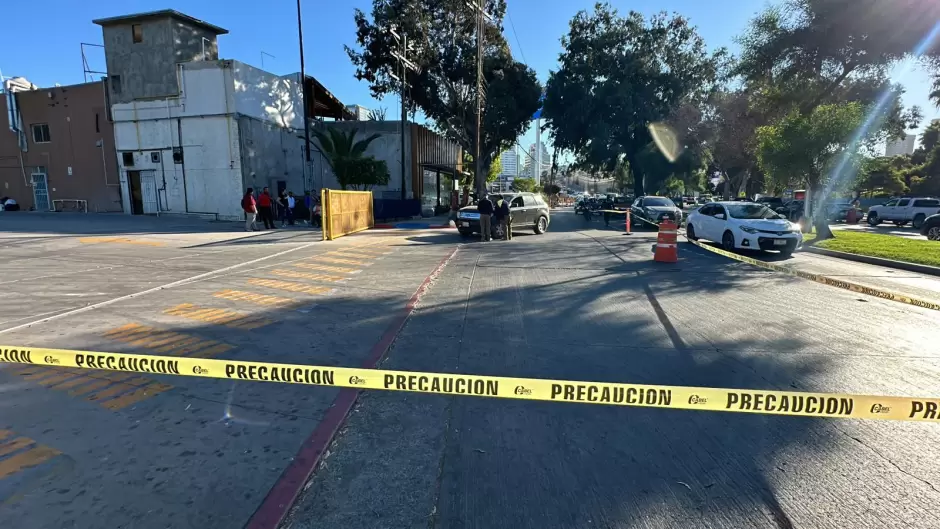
(40, 192)
(143, 191)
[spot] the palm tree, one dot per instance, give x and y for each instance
(341, 151)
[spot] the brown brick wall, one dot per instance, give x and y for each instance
(77, 121)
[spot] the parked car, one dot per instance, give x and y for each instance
(744, 225)
(836, 211)
(655, 210)
(771, 202)
(903, 210)
(792, 210)
(931, 228)
(529, 210)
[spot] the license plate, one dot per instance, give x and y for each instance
(780, 242)
(465, 224)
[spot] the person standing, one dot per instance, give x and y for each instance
(485, 208)
(282, 208)
(504, 217)
(264, 209)
(250, 205)
(291, 207)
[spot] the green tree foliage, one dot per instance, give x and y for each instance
(496, 167)
(883, 175)
(445, 88)
(807, 147)
(617, 76)
(524, 185)
(551, 189)
(367, 173)
(809, 51)
(344, 153)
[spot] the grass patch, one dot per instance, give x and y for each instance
(887, 246)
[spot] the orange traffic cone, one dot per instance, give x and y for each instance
(667, 250)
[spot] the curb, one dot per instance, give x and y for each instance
(396, 227)
(280, 499)
(879, 261)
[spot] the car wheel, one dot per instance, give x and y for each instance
(541, 226)
(727, 241)
(933, 234)
(873, 219)
(690, 233)
(919, 221)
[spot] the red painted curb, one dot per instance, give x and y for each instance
(277, 503)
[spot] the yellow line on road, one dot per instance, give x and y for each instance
(305, 275)
(289, 285)
(326, 268)
(117, 240)
(342, 261)
(262, 299)
(27, 459)
(236, 320)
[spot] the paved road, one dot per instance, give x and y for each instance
(590, 304)
(88, 450)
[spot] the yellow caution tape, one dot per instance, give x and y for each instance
(838, 283)
(644, 395)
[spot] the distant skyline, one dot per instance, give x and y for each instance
(267, 34)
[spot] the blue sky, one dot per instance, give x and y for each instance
(50, 53)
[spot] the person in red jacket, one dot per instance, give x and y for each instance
(251, 209)
(264, 209)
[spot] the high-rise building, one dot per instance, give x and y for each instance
(509, 161)
(901, 147)
(360, 112)
(529, 170)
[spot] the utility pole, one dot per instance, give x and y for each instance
(477, 170)
(406, 65)
(303, 84)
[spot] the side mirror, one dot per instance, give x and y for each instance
(720, 216)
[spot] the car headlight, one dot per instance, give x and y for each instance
(796, 227)
(747, 229)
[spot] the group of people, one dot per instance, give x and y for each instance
(499, 212)
(285, 208)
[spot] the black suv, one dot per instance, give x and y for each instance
(529, 210)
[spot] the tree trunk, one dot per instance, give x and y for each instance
(637, 175)
(818, 214)
(742, 185)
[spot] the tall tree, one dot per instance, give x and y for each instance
(808, 147)
(442, 33)
(617, 76)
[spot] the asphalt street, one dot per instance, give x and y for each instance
(91, 450)
(589, 304)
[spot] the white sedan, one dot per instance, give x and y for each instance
(744, 225)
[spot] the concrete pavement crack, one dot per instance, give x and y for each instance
(895, 465)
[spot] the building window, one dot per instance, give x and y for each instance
(128, 158)
(138, 32)
(97, 125)
(155, 157)
(41, 133)
(116, 84)
(178, 155)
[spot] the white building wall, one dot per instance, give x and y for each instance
(266, 96)
(901, 147)
(204, 122)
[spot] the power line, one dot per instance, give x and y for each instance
(515, 34)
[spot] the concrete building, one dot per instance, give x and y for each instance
(509, 162)
(360, 113)
(192, 132)
(57, 151)
(530, 161)
(901, 147)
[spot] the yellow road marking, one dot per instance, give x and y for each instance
(349, 254)
(51, 381)
(14, 445)
(119, 388)
(214, 350)
(121, 329)
(136, 396)
(289, 285)
(117, 240)
(342, 261)
(236, 320)
(4, 434)
(26, 460)
(327, 268)
(88, 388)
(263, 299)
(192, 347)
(305, 275)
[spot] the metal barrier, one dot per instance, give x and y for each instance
(345, 212)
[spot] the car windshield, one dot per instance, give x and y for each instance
(751, 211)
(657, 201)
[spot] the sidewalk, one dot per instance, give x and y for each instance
(913, 284)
